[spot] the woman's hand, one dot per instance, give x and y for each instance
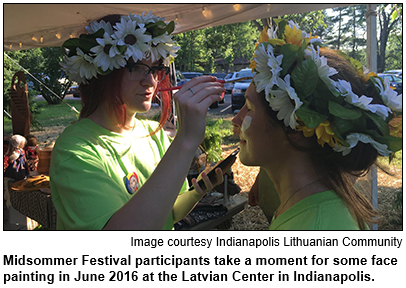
(209, 185)
(192, 102)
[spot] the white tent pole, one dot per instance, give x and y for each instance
(372, 46)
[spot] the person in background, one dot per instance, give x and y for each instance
(17, 168)
(121, 64)
(314, 122)
(32, 152)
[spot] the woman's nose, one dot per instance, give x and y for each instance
(149, 80)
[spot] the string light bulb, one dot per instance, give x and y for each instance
(268, 8)
(71, 35)
(176, 18)
(237, 7)
(11, 46)
(21, 44)
(41, 39)
(34, 39)
(57, 35)
(207, 13)
(204, 12)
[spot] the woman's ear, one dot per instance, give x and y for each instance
(296, 137)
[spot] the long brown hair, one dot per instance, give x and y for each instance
(108, 88)
(340, 171)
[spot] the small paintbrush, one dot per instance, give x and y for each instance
(220, 81)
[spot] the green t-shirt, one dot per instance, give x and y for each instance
(321, 211)
(88, 171)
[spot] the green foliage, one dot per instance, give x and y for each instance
(213, 138)
(200, 48)
(49, 115)
(312, 21)
(346, 31)
(43, 64)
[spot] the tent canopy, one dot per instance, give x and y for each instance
(49, 25)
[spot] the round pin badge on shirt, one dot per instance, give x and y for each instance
(131, 182)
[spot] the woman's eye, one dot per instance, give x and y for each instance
(137, 69)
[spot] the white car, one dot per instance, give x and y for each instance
(398, 73)
(190, 75)
(230, 86)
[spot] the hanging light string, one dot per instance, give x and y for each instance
(26, 71)
(8, 115)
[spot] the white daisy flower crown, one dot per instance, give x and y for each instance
(108, 47)
(297, 85)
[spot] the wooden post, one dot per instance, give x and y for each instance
(21, 115)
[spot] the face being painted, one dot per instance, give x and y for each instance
(246, 123)
(258, 137)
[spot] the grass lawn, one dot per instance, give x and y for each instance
(50, 115)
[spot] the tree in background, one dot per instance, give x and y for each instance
(10, 68)
(354, 31)
(394, 55)
(346, 31)
(200, 48)
(43, 64)
(334, 23)
(388, 24)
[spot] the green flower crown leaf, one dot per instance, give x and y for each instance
(301, 53)
(290, 53)
(394, 143)
(281, 27)
(170, 27)
(343, 126)
(379, 122)
(310, 118)
(339, 136)
(305, 77)
(322, 95)
(343, 112)
(85, 42)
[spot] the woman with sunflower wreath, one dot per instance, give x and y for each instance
(112, 169)
(314, 121)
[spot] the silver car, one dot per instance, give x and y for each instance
(230, 86)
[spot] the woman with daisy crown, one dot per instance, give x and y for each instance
(113, 170)
(314, 121)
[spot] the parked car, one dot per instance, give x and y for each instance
(180, 79)
(219, 75)
(238, 92)
(394, 80)
(229, 86)
(398, 73)
(189, 75)
(74, 90)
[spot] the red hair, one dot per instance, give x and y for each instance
(108, 88)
